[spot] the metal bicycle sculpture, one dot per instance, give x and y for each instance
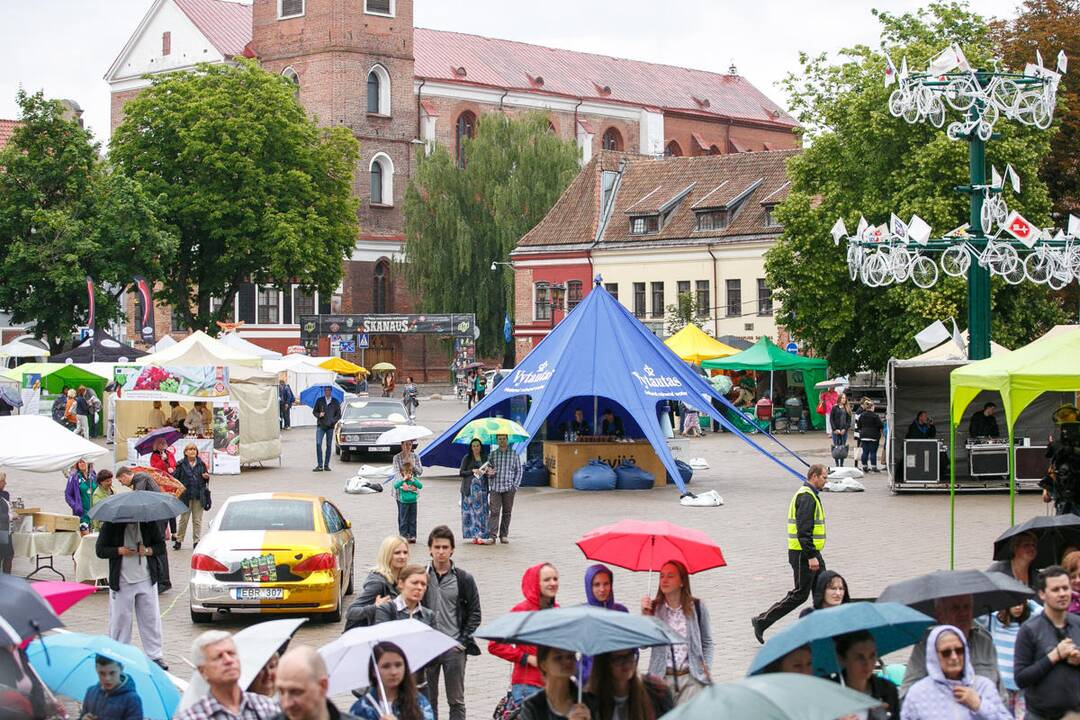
(995, 241)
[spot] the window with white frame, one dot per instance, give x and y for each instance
(267, 306)
(378, 91)
(303, 303)
(292, 76)
(290, 9)
(379, 7)
(382, 180)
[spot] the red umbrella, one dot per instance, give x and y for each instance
(646, 545)
(62, 595)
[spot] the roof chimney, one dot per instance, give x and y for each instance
(732, 70)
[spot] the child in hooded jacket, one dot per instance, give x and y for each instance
(539, 585)
(599, 592)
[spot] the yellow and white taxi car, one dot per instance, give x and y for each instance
(268, 553)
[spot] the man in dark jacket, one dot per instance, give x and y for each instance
(806, 540)
(327, 412)
(983, 423)
(144, 481)
(114, 697)
(452, 595)
(286, 398)
(922, 427)
(133, 578)
(1047, 657)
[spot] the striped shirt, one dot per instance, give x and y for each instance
(508, 470)
(1005, 643)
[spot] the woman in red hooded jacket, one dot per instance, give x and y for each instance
(539, 585)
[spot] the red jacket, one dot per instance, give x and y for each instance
(165, 465)
(523, 674)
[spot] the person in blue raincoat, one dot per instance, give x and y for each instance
(599, 592)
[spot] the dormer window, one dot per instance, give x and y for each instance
(770, 216)
(645, 224)
(711, 220)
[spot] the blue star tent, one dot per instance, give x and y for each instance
(599, 356)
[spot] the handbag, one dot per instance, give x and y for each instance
(508, 708)
(206, 502)
(839, 452)
(821, 407)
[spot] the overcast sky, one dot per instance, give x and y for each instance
(65, 46)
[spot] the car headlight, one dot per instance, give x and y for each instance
(351, 438)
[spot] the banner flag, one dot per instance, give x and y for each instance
(144, 304)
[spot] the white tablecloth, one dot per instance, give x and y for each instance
(30, 545)
(88, 566)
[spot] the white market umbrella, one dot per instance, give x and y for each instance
(348, 657)
(255, 645)
(39, 444)
(403, 433)
(834, 383)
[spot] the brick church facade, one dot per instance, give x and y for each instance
(362, 64)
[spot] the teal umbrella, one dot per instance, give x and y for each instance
(65, 663)
(487, 429)
(586, 629)
(777, 696)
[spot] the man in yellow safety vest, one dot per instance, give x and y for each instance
(806, 540)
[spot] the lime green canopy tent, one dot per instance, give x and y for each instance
(767, 356)
(1048, 364)
(54, 376)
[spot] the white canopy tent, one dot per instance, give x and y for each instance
(301, 372)
(37, 444)
(21, 349)
(163, 344)
(238, 343)
(199, 348)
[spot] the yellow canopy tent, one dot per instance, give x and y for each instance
(1045, 365)
(693, 345)
(342, 367)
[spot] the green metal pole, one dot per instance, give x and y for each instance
(1012, 475)
(978, 296)
(952, 492)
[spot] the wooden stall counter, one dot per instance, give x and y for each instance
(563, 459)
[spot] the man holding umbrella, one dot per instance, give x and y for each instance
(806, 540)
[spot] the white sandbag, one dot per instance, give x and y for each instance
(836, 473)
(358, 485)
(846, 484)
(375, 470)
(709, 498)
(698, 463)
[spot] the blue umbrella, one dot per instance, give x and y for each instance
(893, 626)
(585, 629)
(776, 696)
(310, 395)
(70, 670)
(11, 396)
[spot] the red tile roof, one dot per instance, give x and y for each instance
(227, 25)
(7, 127)
(509, 64)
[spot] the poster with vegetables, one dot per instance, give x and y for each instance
(170, 383)
(226, 437)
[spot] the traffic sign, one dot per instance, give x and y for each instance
(362, 342)
(792, 347)
(347, 346)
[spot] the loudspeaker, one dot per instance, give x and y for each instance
(921, 461)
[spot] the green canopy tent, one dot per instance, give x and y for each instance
(54, 376)
(767, 356)
(1048, 364)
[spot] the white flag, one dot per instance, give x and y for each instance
(859, 231)
(1013, 178)
(898, 228)
(890, 71)
(903, 68)
(838, 231)
(1074, 226)
(1022, 229)
(945, 61)
(958, 338)
(1038, 57)
(995, 177)
(961, 59)
(932, 335)
(1062, 62)
(918, 230)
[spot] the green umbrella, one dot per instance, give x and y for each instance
(776, 696)
(486, 429)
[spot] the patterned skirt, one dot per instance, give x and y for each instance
(474, 510)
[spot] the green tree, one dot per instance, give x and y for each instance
(460, 220)
(65, 214)
(255, 190)
(1050, 26)
(684, 312)
(864, 161)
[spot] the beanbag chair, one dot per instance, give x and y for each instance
(596, 475)
(535, 474)
(628, 476)
(685, 470)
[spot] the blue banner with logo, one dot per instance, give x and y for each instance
(598, 351)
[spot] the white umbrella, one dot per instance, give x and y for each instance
(349, 657)
(39, 444)
(255, 645)
(403, 433)
(835, 382)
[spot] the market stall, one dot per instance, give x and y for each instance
(694, 346)
(300, 372)
(564, 458)
(199, 349)
(99, 347)
(248, 348)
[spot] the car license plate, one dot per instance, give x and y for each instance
(379, 448)
(245, 593)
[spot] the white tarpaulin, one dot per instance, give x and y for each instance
(238, 343)
(199, 348)
(38, 444)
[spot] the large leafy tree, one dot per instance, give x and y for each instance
(862, 160)
(255, 190)
(1050, 26)
(65, 214)
(459, 220)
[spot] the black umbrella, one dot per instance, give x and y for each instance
(138, 506)
(990, 591)
(1053, 532)
(25, 613)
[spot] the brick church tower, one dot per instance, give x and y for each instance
(353, 64)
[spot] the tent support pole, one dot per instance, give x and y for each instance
(1012, 477)
(595, 424)
(952, 493)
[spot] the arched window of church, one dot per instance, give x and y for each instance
(380, 285)
(382, 180)
(378, 91)
(673, 149)
(466, 126)
(612, 140)
(290, 75)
